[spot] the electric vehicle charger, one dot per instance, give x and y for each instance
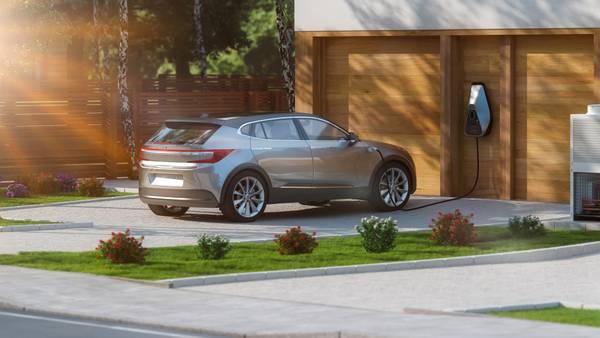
(479, 119)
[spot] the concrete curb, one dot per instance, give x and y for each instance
(533, 306)
(91, 200)
(526, 256)
(51, 226)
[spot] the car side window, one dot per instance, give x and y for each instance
(319, 130)
(284, 129)
(259, 131)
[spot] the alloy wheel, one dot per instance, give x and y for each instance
(248, 197)
(393, 187)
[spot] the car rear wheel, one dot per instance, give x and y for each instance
(391, 187)
(245, 198)
(168, 210)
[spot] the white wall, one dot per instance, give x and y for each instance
(341, 15)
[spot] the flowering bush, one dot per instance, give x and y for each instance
(295, 241)
(17, 190)
(378, 235)
(67, 182)
(213, 247)
(91, 187)
(453, 229)
(528, 226)
(122, 248)
(44, 183)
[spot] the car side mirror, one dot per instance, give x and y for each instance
(352, 138)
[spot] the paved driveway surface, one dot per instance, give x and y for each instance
(339, 218)
(573, 281)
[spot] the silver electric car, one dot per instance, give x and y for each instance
(240, 164)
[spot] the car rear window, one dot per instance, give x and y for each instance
(184, 133)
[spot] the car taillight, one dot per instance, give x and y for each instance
(216, 156)
(203, 156)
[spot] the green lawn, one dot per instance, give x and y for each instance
(182, 261)
(42, 199)
(557, 315)
(10, 222)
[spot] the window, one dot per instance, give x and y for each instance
(245, 130)
(319, 130)
(184, 133)
(277, 130)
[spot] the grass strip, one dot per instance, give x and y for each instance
(183, 261)
(560, 315)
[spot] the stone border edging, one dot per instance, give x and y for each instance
(53, 204)
(45, 226)
(533, 306)
(526, 256)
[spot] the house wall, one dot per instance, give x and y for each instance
(410, 88)
(357, 15)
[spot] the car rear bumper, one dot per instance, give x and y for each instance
(178, 197)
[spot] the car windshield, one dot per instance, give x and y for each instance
(184, 133)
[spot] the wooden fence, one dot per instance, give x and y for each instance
(75, 127)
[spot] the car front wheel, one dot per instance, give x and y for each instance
(391, 188)
(168, 210)
(245, 198)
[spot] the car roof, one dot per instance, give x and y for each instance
(236, 120)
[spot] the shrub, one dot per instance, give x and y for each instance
(17, 190)
(91, 187)
(528, 226)
(295, 241)
(67, 182)
(44, 183)
(378, 235)
(122, 248)
(453, 228)
(213, 246)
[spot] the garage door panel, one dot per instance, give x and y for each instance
(554, 79)
(390, 87)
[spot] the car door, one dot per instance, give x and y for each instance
(335, 159)
(280, 150)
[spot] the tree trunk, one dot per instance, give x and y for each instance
(285, 34)
(126, 113)
(96, 50)
(182, 56)
(105, 67)
(200, 48)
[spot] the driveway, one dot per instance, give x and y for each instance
(572, 281)
(254, 316)
(338, 219)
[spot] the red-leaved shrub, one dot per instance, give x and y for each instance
(122, 248)
(295, 241)
(453, 228)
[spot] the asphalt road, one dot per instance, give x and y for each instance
(24, 325)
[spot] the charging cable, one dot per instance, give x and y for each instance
(458, 197)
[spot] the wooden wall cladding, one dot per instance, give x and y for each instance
(554, 78)
(479, 61)
(386, 86)
(387, 89)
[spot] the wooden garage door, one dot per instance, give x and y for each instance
(388, 89)
(554, 78)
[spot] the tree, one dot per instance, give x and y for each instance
(101, 40)
(200, 49)
(285, 29)
(126, 113)
(165, 30)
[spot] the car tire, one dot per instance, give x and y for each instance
(245, 197)
(167, 210)
(399, 176)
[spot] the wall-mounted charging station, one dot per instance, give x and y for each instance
(477, 124)
(479, 115)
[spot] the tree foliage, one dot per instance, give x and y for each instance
(239, 36)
